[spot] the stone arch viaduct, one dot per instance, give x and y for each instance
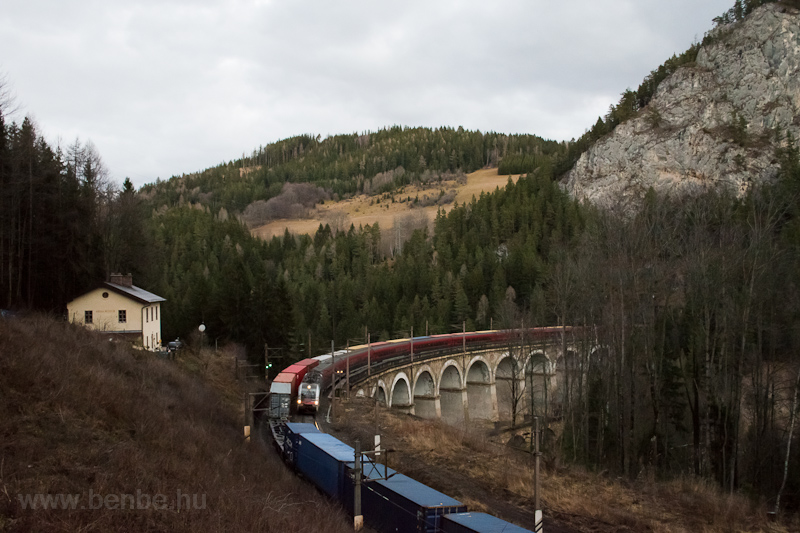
(482, 384)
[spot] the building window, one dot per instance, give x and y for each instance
(105, 295)
(147, 314)
(123, 316)
(156, 313)
(87, 317)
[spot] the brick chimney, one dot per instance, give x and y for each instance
(126, 280)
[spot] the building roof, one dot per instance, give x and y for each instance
(134, 292)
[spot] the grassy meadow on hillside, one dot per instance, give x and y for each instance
(391, 209)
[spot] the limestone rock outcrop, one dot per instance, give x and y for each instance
(712, 124)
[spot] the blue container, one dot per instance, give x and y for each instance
(373, 470)
(397, 504)
(297, 428)
(403, 504)
(292, 432)
(478, 523)
(370, 471)
(321, 458)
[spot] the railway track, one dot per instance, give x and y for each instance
(396, 502)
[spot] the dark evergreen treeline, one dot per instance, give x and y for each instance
(742, 8)
(346, 164)
(211, 271)
(63, 227)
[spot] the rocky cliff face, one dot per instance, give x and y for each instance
(711, 124)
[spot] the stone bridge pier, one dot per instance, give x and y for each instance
(458, 388)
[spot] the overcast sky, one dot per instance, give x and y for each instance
(164, 87)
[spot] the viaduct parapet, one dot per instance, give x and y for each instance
(488, 384)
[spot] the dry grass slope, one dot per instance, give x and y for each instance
(471, 467)
(365, 209)
(80, 414)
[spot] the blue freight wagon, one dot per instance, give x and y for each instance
(291, 440)
(298, 427)
(397, 504)
(403, 504)
(326, 461)
(478, 523)
(321, 458)
(369, 471)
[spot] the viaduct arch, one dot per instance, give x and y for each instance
(480, 385)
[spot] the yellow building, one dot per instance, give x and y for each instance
(121, 308)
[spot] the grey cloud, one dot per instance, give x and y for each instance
(169, 87)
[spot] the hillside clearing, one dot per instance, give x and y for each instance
(365, 210)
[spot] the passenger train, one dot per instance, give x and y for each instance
(297, 389)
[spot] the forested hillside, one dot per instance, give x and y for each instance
(344, 165)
